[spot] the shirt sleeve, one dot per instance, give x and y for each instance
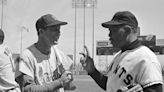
(150, 74)
(99, 78)
(26, 65)
(27, 84)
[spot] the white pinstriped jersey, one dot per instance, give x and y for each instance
(139, 66)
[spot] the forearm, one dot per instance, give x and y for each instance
(100, 79)
(27, 84)
(154, 88)
(49, 87)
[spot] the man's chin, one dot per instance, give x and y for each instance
(53, 43)
(114, 45)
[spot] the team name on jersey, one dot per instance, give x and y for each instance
(122, 71)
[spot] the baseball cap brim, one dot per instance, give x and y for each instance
(111, 23)
(57, 23)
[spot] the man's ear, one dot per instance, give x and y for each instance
(40, 31)
(128, 29)
(138, 31)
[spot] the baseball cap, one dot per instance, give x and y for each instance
(122, 18)
(48, 20)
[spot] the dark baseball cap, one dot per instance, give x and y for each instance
(122, 18)
(48, 20)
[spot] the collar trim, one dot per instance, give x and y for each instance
(132, 46)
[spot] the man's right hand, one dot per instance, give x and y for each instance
(66, 78)
(87, 62)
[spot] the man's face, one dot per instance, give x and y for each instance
(52, 34)
(118, 36)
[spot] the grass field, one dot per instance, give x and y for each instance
(85, 83)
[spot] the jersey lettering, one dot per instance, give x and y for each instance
(116, 70)
(123, 71)
(128, 79)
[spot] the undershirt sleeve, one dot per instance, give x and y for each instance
(27, 84)
(100, 79)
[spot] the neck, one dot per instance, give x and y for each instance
(130, 40)
(43, 47)
(131, 45)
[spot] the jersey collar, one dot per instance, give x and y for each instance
(133, 45)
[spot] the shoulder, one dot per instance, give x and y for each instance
(142, 56)
(145, 53)
(27, 54)
(144, 50)
(28, 50)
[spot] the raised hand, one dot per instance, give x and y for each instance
(86, 61)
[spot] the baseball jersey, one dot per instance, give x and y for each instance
(42, 68)
(7, 69)
(66, 61)
(137, 66)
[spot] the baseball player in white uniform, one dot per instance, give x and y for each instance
(40, 65)
(135, 67)
(7, 68)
